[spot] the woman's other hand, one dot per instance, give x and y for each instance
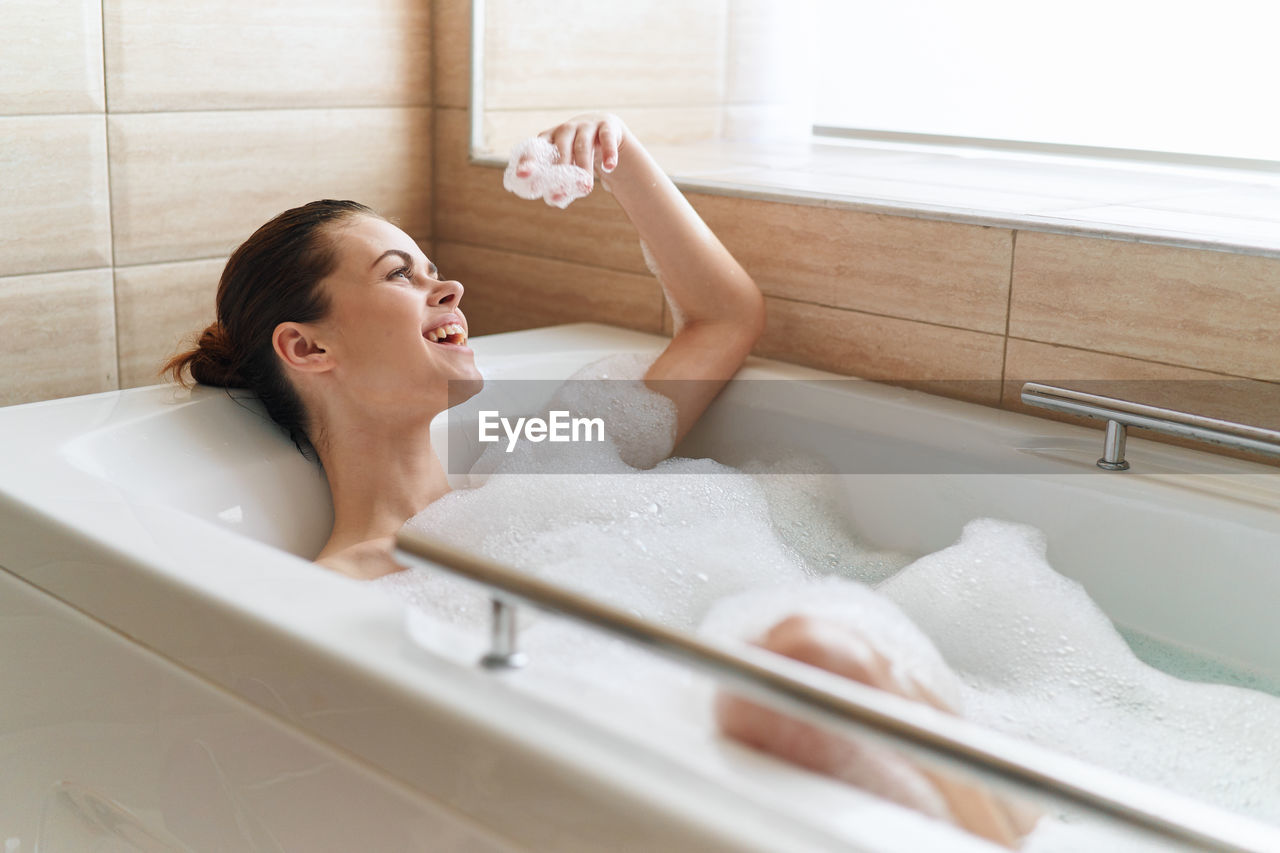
(584, 141)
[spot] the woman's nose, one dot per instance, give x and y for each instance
(446, 293)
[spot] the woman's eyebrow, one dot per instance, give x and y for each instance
(404, 256)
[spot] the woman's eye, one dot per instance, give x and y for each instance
(403, 272)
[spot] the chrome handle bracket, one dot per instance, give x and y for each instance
(1121, 414)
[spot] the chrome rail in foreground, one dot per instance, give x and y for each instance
(909, 726)
(1120, 414)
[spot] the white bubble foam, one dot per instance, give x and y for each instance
(1040, 660)
(548, 177)
(986, 624)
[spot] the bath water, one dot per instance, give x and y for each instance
(986, 623)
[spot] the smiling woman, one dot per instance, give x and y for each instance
(355, 342)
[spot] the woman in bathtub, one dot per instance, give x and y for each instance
(352, 337)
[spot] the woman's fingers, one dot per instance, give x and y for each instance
(562, 138)
(608, 137)
(584, 147)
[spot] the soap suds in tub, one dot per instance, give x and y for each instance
(986, 623)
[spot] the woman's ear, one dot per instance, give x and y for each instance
(298, 348)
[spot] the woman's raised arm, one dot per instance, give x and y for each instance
(717, 309)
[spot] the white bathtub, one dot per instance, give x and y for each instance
(175, 673)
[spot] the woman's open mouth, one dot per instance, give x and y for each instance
(449, 334)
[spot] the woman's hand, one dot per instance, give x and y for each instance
(584, 141)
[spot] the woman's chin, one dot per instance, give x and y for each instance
(464, 388)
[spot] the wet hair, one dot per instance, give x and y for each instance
(272, 278)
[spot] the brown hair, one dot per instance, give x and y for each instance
(272, 278)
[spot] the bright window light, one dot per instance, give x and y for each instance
(1176, 76)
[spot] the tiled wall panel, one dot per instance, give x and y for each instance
(942, 360)
(1210, 310)
(54, 212)
(662, 52)
(160, 309)
(58, 335)
(240, 54)
(507, 291)
(451, 52)
(50, 57)
(221, 115)
(192, 185)
(915, 269)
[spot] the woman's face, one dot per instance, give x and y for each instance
(394, 331)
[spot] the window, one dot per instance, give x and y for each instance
(1191, 78)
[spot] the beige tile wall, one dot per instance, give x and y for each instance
(661, 60)
(142, 141)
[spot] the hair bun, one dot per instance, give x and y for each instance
(212, 362)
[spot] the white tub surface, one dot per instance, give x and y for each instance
(151, 538)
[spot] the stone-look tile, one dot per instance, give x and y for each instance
(451, 52)
(254, 54)
(942, 360)
(668, 52)
(915, 269)
(58, 336)
(655, 125)
(54, 208)
(507, 291)
(192, 185)
(1208, 310)
(52, 57)
(160, 310)
(1184, 389)
(472, 207)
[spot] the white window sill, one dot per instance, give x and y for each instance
(1193, 206)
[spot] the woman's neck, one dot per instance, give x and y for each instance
(380, 476)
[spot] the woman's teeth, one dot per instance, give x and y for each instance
(448, 330)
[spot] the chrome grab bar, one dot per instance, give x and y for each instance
(851, 706)
(1120, 414)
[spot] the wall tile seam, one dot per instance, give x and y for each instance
(283, 109)
(613, 107)
(442, 240)
(886, 316)
(1217, 373)
(95, 268)
(1008, 310)
(53, 114)
(111, 217)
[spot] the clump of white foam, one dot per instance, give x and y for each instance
(1040, 660)
(810, 516)
(663, 541)
(558, 184)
